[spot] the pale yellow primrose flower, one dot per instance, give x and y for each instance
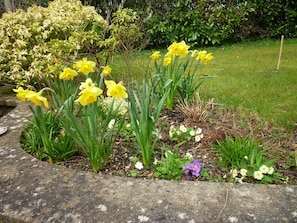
(271, 170)
(68, 74)
(258, 175)
(156, 55)
(106, 71)
(179, 49)
(264, 169)
(115, 90)
(243, 172)
(85, 66)
(234, 173)
(183, 128)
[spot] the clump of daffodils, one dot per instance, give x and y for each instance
(182, 133)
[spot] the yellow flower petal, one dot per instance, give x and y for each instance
(179, 49)
(106, 71)
(85, 66)
(115, 90)
(68, 74)
(88, 95)
(155, 55)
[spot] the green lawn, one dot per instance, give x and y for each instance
(246, 78)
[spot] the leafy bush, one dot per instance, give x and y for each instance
(35, 43)
(196, 22)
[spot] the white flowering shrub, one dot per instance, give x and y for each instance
(35, 43)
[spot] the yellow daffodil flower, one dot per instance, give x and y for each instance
(85, 66)
(179, 49)
(37, 98)
(167, 61)
(28, 95)
(88, 95)
(155, 55)
(87, 84)
(115, 90)
(106, 71)
(21, 93)
(204, 57)
(68, 74)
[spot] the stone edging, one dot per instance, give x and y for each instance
(34, 191)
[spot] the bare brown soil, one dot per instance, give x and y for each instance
(216, 122)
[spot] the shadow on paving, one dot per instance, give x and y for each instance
(34, 191)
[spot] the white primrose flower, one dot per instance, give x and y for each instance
(139, 165)
(243, 172)
(234, 173)
(192, 133)
(270, 170)
(198, 131)
(189, 155)
(264, 169)
(197, 138)
(183, 128)
(258, 175)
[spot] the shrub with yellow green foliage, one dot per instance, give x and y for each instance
(36, 44)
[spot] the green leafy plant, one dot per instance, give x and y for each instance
(170, 166)
(144, 111)
(244, 157)
(183, 134)
(85, 118)
(177, 66)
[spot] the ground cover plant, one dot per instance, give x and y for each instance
(191, 140)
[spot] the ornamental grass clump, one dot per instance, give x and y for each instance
(80, 113)
(180, 66)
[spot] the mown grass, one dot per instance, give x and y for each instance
(246, 78)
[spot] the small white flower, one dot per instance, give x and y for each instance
(246, 157)
(243, 172)
(264, 169)
(183, 128)
(178, 132)
(155, 161)
(258, 175)
(139, 165)
(234, 173)
(201, 136)
(192, 133)
(197, 138)
(128, 125)
(270, 170)
(198, 131)
(111, 123)
(189, 156)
